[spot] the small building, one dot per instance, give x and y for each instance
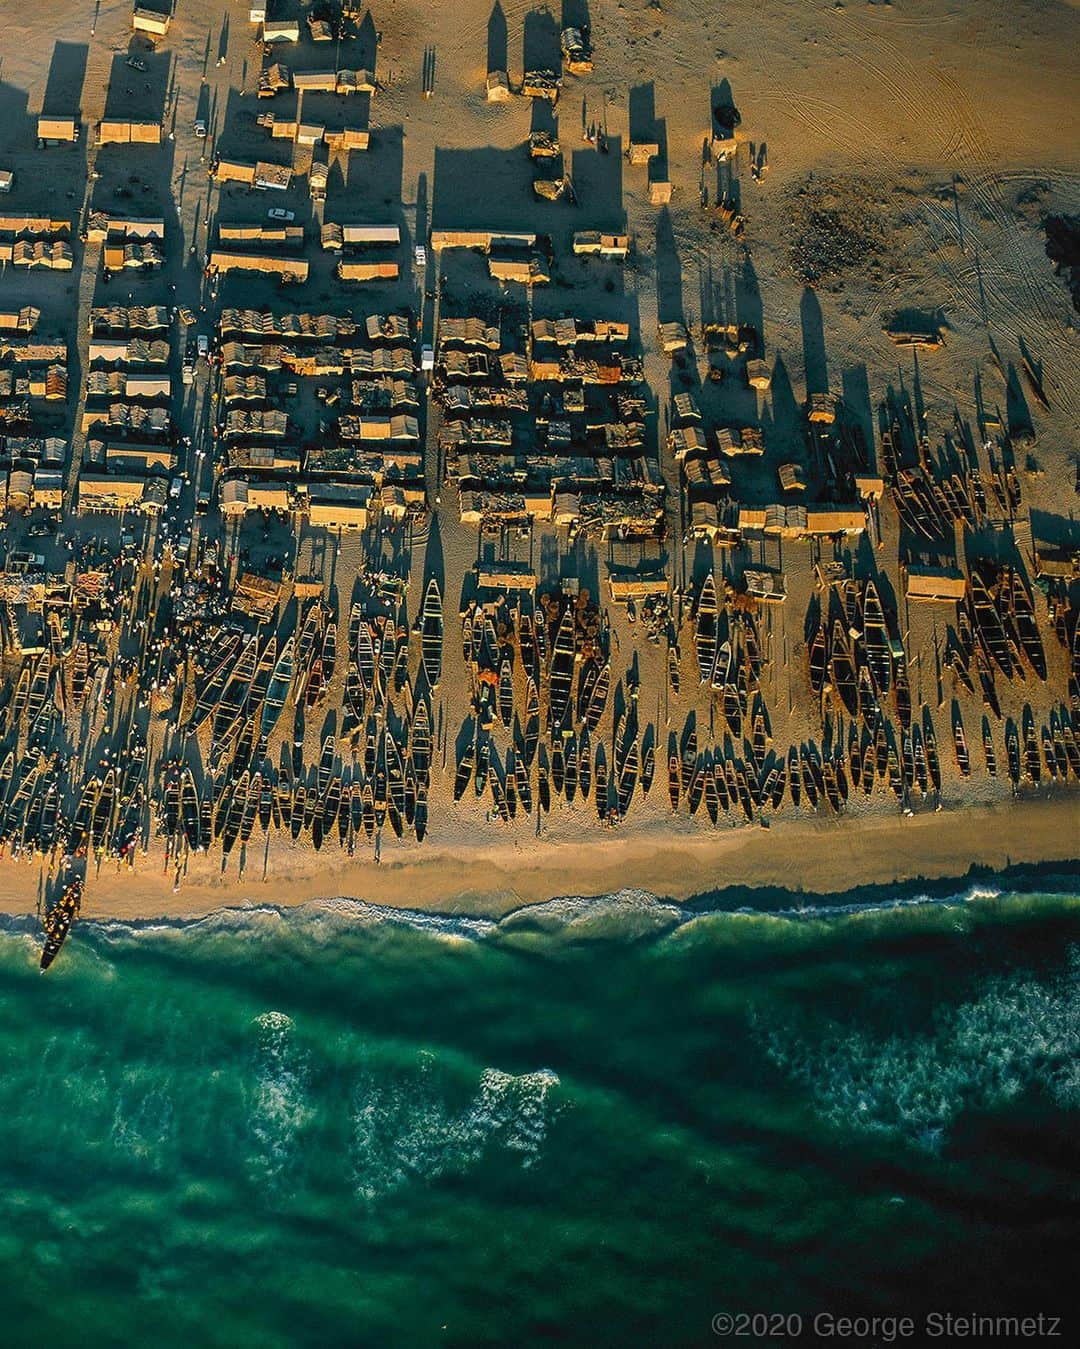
(498, 87)
(372, 269)
(281, 30)
(606, 245)
(935, 585)
(758, 374)
(7, 180)
(53, 130)
(150, 21)
(791, 478)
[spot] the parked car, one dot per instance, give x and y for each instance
(280, 213)
(200, 129)
(204, 346)
(175, 488)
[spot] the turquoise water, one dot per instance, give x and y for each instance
(599, 1124)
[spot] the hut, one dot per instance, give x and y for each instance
(149, 21)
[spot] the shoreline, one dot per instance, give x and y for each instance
(813, 858)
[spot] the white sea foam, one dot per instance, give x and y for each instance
(280, 1103)
(405, 1130)
(142, 1126)
(1019, 1033)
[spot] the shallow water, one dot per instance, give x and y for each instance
(604, 1121)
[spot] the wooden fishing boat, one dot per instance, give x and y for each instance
(689, 755)
(80, 668)
(521, 778)
(557, 773)
(58, 921)
(875, 640)
(299, 807)
(778, 779)
(235, 692)
(1072, 748)
(933, 764)
(483, 764)
(266, 801)
(989, 753)
(532, 722)
(543, 787)
(598, 699)
(963, 761)
(722, 664)
(648, 769)
(1032, 758)
(530, 655)
(49, 824)
(720, 782)
(431, 634)
(587, 679)
(313, 689)
(705, 629)
(235, 815)
(674, 678)
(988, 622)
(584, 762)
(628, 778)
(509, 788)
(251, 808)
(371, 747)
(326, 766)
(695, 787)
(759, 741)
(277, 691)
(206, 814)
(562, 670)
(331, 803)
(1027, 627)
(40, 683)
(420, 741)
(498, 797)
(1049, 752)
(395, 776)
(795, 776)
(190, 825)
(842, 670)
(570, 770)
(712, 798)
(1012, 752)
(210, 694)
(986, 680)
(464, 773)
(674, 774)
(818, 660)
(506, 691)
(365, 657)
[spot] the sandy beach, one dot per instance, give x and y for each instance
(811, 857)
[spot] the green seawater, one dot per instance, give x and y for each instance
(596, 1124)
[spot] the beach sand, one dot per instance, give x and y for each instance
(811, 856)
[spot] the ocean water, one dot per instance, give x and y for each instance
(598, 1122)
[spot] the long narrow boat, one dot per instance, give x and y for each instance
(991, 629)
(235, 691)
(420, 741)
(521, 777)
(329, 651)
(395, 777)
(673, 670)
(277, 691)
(705, 629)
(206, 813)
(842, 670)
(818, 660)
(431, 634)
(963, 760)
(562, 670)
(628, 777)
(251, 808)
(464, 773)
(795, 776)
(674, 780)
(211, 692)
(506, 691)
(598, 699)
(235, 813)
(532, 722)
(1026, 625)
(84, 811)
(326, 765)
(58, 921)
(365, 657)
(189, 810)
(299, 804)
(103, 819)
(600, 786)
(875, 637)
(584, 762)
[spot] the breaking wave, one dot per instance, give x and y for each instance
(1020, 1034)
(280, 1103)
(406, 1129)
